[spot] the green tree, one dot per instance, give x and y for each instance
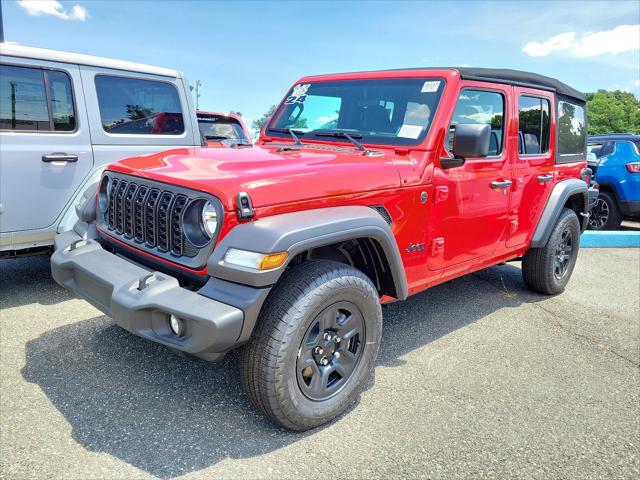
(613, 112)
(136, 112)
(259, 123)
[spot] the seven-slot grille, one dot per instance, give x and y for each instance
(148, 215)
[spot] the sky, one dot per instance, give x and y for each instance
(247, 54)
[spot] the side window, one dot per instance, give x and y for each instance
(64, 119)
(484, 107)
(607, 149)
(27, 105)
(534, 126)
(138, 106)
(594, 148)
(572, 131)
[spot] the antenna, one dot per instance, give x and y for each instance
(198, 84)
(1, 25)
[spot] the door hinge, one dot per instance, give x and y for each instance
(437, 245)
(442, 193)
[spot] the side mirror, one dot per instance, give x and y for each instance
(470, 140)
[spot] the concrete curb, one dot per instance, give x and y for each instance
(622, 239)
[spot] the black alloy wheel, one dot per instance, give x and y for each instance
(599, 215)
(564, 252)
(330, 351)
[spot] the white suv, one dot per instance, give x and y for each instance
(63, 117)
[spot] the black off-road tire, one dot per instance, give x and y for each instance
(540, 265)
(268, 363)
(607, 206)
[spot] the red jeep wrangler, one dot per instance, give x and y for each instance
(363, 188)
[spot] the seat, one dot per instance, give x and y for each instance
(375, 118)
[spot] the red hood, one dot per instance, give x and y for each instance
(268, 176)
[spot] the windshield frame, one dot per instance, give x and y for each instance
(370, 140)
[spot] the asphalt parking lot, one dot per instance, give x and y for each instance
(477, 378)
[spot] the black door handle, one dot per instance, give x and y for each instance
(59, 157)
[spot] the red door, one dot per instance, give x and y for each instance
(533, 167)
(469, 215)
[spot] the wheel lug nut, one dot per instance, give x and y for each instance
(318, 351)
(336, 355)
(337, 339)
(324, 361)
(327, 336)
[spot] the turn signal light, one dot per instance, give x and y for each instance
(634, 167)
(255, 260)
(273, 260)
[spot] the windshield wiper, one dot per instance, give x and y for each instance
(339, 134)
(290, 132)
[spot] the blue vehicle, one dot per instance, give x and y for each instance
(616, 169)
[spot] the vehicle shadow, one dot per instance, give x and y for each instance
(28, 280)
(170, 415)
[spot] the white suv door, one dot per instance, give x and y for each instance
(136, 114)
(45, 146)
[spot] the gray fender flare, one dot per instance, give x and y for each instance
(300, 231)
(557, 200)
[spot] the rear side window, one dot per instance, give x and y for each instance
(572, 132)
(36, 100)
(607, 149)
(594, 148)
(484, 107)
(533, 125)
(138, 106)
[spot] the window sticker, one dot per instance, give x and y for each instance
(299, 94)
(410, 131)
(430, 86)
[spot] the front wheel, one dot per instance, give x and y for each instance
(314, 345)
(547, 270)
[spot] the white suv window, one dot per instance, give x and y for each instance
(138, 106)
(26, 104)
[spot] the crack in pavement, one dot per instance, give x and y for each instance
(556, 320)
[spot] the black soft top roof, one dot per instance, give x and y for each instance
(502, 75)
(517, 77)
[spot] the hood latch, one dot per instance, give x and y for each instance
(245, 207)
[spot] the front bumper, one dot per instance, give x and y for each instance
(113, 285)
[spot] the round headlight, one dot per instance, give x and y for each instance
(209, 219)
(104, 192)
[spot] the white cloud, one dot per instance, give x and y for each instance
(636, 83)
(623, 38)
(55, 8)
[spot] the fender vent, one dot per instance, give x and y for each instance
(383, 213)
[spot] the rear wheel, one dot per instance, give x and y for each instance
(605, 214)
(314, 345)
(548, 269)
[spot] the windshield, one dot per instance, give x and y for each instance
(396, 111)
(221, 128)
